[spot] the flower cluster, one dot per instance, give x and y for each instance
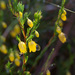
(14, 56)
(61, 35)
(63, 15)
(31, 44)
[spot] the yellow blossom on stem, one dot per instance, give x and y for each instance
(63, 17)
(17, 62)
(4, 25)
(36, 33)
(64, 12)
(48, 72)
(13, 33)
(62, 37)
(3, 5)
(30, 23)
(22, 47)
(60, 23)
(32, 46)
(3, 49)
(11, 56)
(20, 14)
(58, 29)
(17, 29)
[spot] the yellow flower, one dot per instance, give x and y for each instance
(20, 14)
(64, 12)
(62, 37)
(63, 17)
(3, 38)
(32, 46)
(17, 55)
(36, 33)
(48, 72)
(3, 49)
(3, 5)
(17, 29)
(61, 23)
(4, 25)
(30, 23)
(68, 73)
(11, 56)
(22, 47)
(58, 29)
(17, 62)
(13, 34)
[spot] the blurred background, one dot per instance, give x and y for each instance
(63, 58)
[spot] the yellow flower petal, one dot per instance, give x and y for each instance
(20, 14)
(58, 29)
(13, 34)
(11, 56)
(63, 17)
(3, 5)
(32, 46)
(64, 12)
(3, 49)
(22, 47)
(17, 29)
(36, 33)
(4, 25)
(62, 37)
(17, 62)
(30, 23)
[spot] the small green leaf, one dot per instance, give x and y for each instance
(20, 7)
(26, 58)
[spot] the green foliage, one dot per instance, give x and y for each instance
(20, 7)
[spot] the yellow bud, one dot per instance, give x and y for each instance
(22, 47)
(17, 55)
(4, 25)
(11, 56)
(64, 12)
(62, 37)
(30, 23)
(3, 49)
(61, 23)
(3, 38)
(63, 17)
(36, 33)
(48, 72)
(17, 29)
(58, 29)
(68, 73)
(13, 34)
(20, 14)
(32, 46)
(3, 5)
(17, 62)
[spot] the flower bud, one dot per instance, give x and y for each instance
(30, 23)
(22, 47)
